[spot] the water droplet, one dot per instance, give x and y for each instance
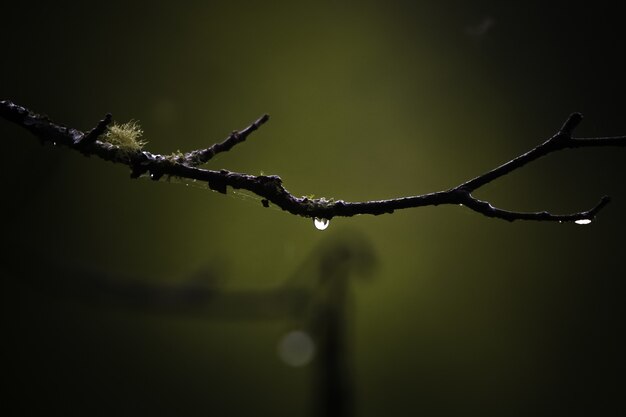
(582, 221)
(296, 348)
(321, 224)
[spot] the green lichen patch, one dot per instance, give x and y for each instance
(176, 157)
(126, 136)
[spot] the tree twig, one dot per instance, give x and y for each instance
(202, 156)
(271, 188)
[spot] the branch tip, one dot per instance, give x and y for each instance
(96, 132)
(571, 123)
(264, 118)
(601, 204)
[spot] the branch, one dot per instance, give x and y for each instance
(202, 156)
(271, 188)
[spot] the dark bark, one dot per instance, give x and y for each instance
(271, 188)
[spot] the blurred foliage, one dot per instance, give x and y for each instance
(370, 99)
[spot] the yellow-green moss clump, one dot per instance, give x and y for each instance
(176, 157)
(126, 136)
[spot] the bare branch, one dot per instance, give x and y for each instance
(95, 133)
(271, 189)
(202, 156)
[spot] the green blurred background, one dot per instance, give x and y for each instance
(463, 315)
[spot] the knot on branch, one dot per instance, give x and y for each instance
(459, 195)
(217, 185)
(270, 179)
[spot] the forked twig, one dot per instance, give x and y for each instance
(271, 188)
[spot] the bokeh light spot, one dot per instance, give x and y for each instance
(296, 348)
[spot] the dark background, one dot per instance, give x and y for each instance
(464, 315)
